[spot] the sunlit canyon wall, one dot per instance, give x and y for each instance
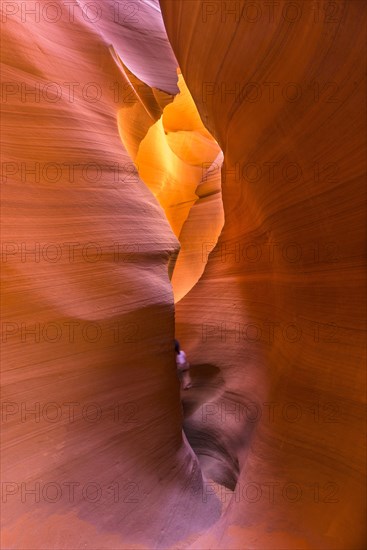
(107, 171)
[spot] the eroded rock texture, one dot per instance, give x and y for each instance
(271, 318)
(279, 307)
(85, 256)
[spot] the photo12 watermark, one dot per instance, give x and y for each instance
(270, 332)
(69, 412)
(272, 253)
(270, 92)
(271, 172)
(69, 332)
(71, 252)
(271, 412)
(270, 11)
(274, 492)
(73, 173)
(69, 11)
(45, 91)
(71, 492)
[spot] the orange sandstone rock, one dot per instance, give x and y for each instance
(104, 175)
(279, 307)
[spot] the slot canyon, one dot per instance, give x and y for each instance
(190, 170)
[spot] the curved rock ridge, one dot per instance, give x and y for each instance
(137, 33)
(254, 171)
(277, 313)
(181, 164)
(200, 231)
(92, 447)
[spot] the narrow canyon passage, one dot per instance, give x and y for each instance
(184, 169)
(180, 163)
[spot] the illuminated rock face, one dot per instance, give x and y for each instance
(278, 308)
(103, 448)
(273, 328)
(180, 162)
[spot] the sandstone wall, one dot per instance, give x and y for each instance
(279, 307)
(274, 327)
(88, 311)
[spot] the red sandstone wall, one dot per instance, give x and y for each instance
(273, 329)
(104, 444)
(280, 301)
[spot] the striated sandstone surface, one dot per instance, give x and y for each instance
(271, 315)
(91, 412)
(180, 162)
(279, 309)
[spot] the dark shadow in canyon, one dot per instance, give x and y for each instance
(204, 408)
(206, 381)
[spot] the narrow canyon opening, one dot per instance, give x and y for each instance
(126, 221)
(180, 162)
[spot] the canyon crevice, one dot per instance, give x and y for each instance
(182, 169)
